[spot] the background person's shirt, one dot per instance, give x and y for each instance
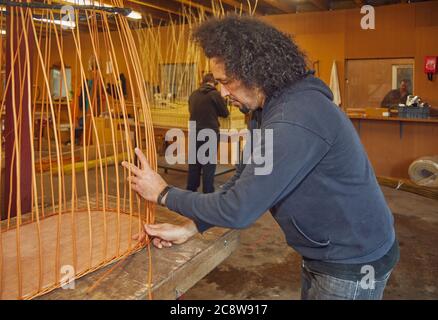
(394, 98)
(205, 106)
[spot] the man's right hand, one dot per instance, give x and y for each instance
(166, 234)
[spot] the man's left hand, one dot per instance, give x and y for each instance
(166, 234)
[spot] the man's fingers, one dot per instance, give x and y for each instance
(167, 244)
(158, 230)
(151, 230)
(142, 158)
(157, 243)
(160, 243)
(136, 188)
(133, 179)
(139, 236)
(131, 167)
(159, 226)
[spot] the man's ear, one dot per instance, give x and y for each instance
(261, 96)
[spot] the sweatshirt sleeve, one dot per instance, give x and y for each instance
(232, 181)
(294, 153)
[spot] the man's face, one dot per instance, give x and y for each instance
(403, 86)
(235, 90)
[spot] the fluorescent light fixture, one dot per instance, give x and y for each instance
(133, 15)
(66, 24)
(88, 3)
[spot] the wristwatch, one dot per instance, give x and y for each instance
(162, 194)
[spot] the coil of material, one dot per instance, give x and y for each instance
(424, 171)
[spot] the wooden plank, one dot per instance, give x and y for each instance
(191, 4)
(237, 4)
(175, 270)
(321, 4)
(280, 5)
(198, 267)
(409, 186)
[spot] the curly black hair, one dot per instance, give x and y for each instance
(252, 51)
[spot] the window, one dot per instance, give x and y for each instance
(369, 80)
(57, 82)
(402, 72)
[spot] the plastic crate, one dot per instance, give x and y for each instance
(414, 112)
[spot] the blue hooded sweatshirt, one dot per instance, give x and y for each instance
(322, 190)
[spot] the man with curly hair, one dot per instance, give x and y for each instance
(322, 190)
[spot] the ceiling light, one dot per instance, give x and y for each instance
(133, 15)
(63, 23)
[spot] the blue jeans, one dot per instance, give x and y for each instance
(318, 286)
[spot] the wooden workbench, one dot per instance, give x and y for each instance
(175, 270)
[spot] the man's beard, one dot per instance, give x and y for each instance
(243, 108)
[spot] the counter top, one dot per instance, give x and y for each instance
(424, 120)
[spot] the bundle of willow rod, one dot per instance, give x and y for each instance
(82, 214)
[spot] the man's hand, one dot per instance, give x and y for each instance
(146, 182)
(166, 234)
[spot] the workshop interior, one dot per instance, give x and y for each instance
(87, 85)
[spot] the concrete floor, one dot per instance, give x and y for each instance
(264, 267)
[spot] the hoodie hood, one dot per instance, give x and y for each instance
(312, 83)
(206, 88)
(309, 83)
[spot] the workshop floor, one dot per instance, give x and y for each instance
(264, 267)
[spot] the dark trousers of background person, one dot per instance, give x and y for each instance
(197, 170)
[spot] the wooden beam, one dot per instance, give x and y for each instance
(158, 5)
(409, 186)
(280, 5)
(237, 4)
(321, 4)
(192, 4)
(154, 13)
